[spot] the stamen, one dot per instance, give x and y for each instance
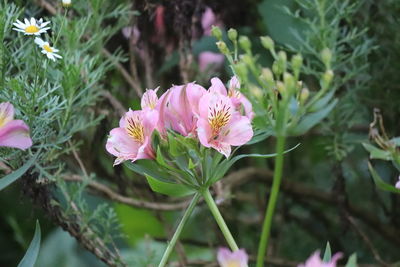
(135, 129)
(47, 48)
(31, 29)
(219, 116)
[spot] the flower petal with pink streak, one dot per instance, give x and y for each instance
(218, 86)
(6, 113)
(121, 145)
(15, 134)
(239, 131)
(237, 258)
(149, 99)
(315, 261)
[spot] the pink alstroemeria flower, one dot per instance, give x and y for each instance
(209, 19)
(13, 133)
(237, 98)
(219, 126)
(179, 108)
(132, 140)
(238, 258)
(149, 99)
(210, 60)
(315, 261)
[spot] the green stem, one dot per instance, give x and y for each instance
(220, 221)
(178, 230)
(266, 229)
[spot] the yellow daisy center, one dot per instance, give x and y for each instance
(31, 29)
(47, 48)
(135, 129)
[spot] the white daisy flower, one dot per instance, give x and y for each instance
(66, 3)
(32, 27)
(49, 51)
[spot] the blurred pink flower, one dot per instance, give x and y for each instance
(210, 60)
(132, 140)
(208, 20)
(226, 258)
(149, 99)
(315, 261)
(219, 125)
(13, 133)
(398, 183)
(179, 108)
(237, 98)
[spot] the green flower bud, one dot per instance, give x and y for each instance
(222, 47)
(326, 56)
(267, 76)
(277, 69)
(327, 78)
(241, 71)
(304, 94)
(267, 42)
(281, 88)
(289, 81)
(216, 32)
(232, 35)
(297, 62)
(256, 92)
(245, 43)
(282, 59)
(248, 59)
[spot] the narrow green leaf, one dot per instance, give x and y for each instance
(376, 153)
(259, 136)
(328, 253)
(12, 177)
(33, 250)
(352, 262)
(310, 120)
(167, 188)
(380, 183)
(322, 102)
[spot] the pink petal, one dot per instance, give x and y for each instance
(207, 20)
(6, 113)
(121, 145)
(149, 121)
(149, 99)
(248, 107)
(398, 184)
(210, 60)
(234, 83)
(218, 86)
(204, 132)
(238, 132)
(15, 134)
(227, 258)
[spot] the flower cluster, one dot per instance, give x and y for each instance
(37, 27)
(13, 133)
(218, 117)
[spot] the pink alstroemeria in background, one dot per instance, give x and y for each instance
(13, 133)
(149, 99)
(180, 108)
(220, 126)
(132, 140)
(237, 98)
(210, 60)
(238, 258)
(315, 261)
(398, 183)
(208, 20)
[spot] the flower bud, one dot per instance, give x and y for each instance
(304, 94)
(288, 80)
(216, 32)
(267, 42)
(232, 35)
(326, 56)
(241, 71)
(267, 76)
(66, 3)
(222, 47)
(281, 88)
(327, 78)
(256, 92)
(248, 59)
(297, 61)
(282, 58)
(245, 43)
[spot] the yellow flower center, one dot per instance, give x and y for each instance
(47, 48)
(218, 117)
(31, 29)
(135, 129)
(233, 93)
(233, 264)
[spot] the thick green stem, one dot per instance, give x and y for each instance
(179, 229)
(220, 221)
(266, 229)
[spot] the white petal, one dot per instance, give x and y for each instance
(33, 21)
(39, 41)
(27, 23)
(18, 30)
(44, 24)
(57, 56)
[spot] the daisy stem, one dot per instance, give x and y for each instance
(179, 229)
(273, 197)
(61, 27)
(220, 220)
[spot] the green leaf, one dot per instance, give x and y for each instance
(259, 135)
(380, 183)
(310, 120)
(322, 102)
(223, 167)
(149, 167)
(168, 188)
(15, 175)
(376, 153)
(352, 262)
(328, 253)
(33, 250)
